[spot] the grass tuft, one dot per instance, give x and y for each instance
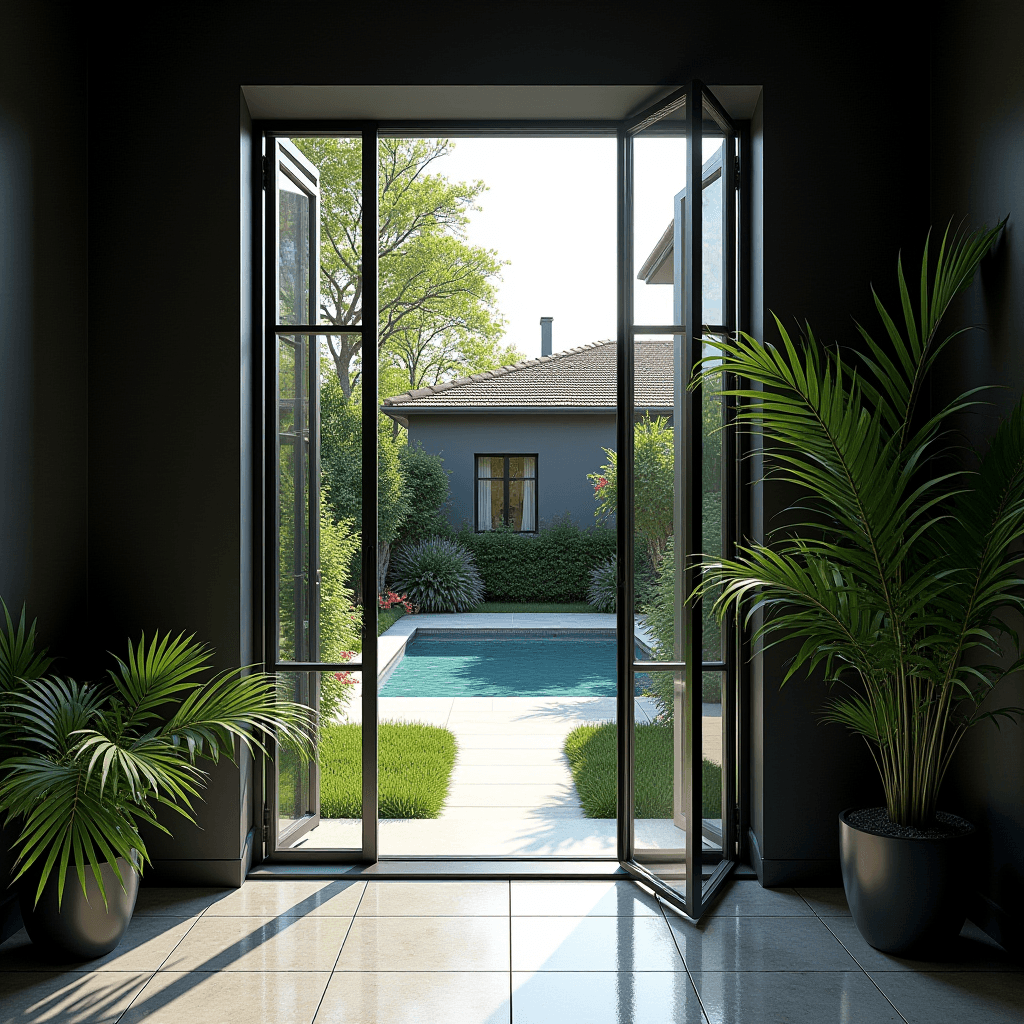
(591, 751)
(414, 768)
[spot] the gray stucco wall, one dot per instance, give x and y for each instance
(568, 447)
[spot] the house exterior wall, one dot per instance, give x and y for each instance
(568, 447)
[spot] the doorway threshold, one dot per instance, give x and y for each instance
(428, 868)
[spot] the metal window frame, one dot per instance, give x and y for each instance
(505, 514)
(735, 661)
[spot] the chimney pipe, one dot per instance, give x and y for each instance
(545, 335)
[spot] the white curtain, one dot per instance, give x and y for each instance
(529, 495)
(483, 496)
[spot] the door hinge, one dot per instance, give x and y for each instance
(736, 169)
(266, 823)
(264, 174)
(736, 818)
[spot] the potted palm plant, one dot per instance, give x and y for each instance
(896, 581)
(87, 763)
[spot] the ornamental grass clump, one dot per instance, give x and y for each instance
(603, 587)
(438, 575)
(904, 571)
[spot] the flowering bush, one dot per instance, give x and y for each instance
(336, 692)
(389, 599)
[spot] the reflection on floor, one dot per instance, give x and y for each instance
(500, 952)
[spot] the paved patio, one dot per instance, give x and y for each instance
(512, 792)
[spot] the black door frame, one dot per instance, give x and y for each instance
(733, 663)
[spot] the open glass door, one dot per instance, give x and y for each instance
(677, 683)
(318, 565)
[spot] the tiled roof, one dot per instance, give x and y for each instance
(576, 378)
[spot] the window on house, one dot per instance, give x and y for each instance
(506, 492)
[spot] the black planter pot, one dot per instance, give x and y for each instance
(82, 929)
(906, 895)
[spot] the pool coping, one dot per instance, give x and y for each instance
(391, 644)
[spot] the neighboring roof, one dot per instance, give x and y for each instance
(577, 379)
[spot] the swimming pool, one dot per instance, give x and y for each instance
(506, 663)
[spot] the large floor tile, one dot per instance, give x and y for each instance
(228, 998)
(750, 899)
(760, 944)
(145, 946)
(972, 951)
(593, 944)
(582, 899)
(435, 899)
(552, 997)
(67, 998)
(177, 902)
(928, 998)
(821, 997)
(260, 944)
(291, 898)
(426, 944)
(826, 902)
(480, 997)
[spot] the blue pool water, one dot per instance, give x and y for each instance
(518, 664)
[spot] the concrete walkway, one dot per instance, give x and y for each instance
(511, 793)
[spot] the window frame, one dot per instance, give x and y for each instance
(536, 487)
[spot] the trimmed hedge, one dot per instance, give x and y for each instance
(553, 565)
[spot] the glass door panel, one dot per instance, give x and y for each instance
(317, 506)
(680, 256)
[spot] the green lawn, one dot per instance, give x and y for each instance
(526, 606)
(387, 617)
(591, 753)
(414, 768)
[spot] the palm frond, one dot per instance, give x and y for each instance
(64, 818)
(900, 565)
(19, 658)
(157, 672)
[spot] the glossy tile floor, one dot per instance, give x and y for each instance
(493, 952)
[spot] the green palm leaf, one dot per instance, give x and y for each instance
(897, 574)
(92, 762)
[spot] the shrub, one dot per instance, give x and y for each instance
(552, 566)
(438, 575)
(426, 487)
(336, 693)
(603, 586)
(340, 619)
(660, 617)
(653, 481)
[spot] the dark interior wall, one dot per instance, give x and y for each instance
(168, 418)
(43, 321)
(977, 162)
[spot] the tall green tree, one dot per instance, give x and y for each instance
(437, 316)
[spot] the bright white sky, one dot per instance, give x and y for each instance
(550, 211)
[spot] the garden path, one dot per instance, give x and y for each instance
(512, 793)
